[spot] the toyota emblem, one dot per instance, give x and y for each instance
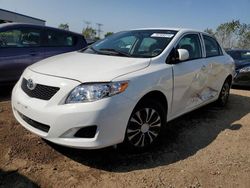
(30, 84)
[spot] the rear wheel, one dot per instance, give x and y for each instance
(224, 94)
(145, 125)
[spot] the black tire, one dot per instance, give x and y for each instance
(224, 94)
(145, 125)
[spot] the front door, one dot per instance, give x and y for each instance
(190, 77)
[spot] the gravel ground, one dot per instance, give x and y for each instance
(209, 147)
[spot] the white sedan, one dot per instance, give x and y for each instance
(122, 89)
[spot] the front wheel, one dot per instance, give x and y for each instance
(224, 94)
(145, 125)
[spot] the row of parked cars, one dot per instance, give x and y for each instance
(24, 44)
(123, 89)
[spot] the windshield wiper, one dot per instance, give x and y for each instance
(96, 51)
(114, 51)
(106, 51)
(90, 47)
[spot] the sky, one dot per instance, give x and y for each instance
(117, 15)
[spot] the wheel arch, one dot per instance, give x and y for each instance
(151, 96)
(155, 95)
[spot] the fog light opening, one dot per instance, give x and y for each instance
(86, 132)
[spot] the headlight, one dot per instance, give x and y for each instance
(95, 91)
(245, 69)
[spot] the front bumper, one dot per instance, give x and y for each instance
(110, 115)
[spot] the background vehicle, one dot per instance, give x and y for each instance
(123, 88)
(24, 44)
(242, 66)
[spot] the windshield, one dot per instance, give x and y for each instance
(137, 43)
(240, 55)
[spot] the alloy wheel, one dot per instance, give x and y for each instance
(144, 127)
(225, 93)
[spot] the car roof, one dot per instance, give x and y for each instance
(10, 25)
(182, 30)
(168, 28)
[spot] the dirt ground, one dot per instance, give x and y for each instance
(209, 147)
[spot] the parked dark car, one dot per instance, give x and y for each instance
(242, 66)
(24, 44)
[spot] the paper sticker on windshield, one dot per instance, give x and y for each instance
(162, 35)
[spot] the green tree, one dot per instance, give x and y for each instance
(244, 36)
(97, 38)
(209, 31)
(89, 33)
(228, 33)
(64, 26)
(108, 34)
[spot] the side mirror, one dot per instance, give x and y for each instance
(183, 54)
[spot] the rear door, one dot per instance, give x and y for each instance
(214, 60)
(57, 42)
(190, 78)
(19, 48)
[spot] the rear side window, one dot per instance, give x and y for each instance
(59, 39)
(191, 43)
(212, 47)
(20, 38)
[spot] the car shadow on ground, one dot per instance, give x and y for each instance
(5, 92)
(14, 179)
(184, 137)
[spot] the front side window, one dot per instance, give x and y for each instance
(20, 38)
(138, 43)
(212, 47)
(59, 39)
(191, 43)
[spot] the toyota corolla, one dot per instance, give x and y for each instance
(122, 89)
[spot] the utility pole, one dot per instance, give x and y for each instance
(99, 31)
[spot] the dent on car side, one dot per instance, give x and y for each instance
(185, 85)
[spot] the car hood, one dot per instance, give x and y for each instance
(240, 64)
(89, 67)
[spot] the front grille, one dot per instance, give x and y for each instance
(35, 124)
(40, 91)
